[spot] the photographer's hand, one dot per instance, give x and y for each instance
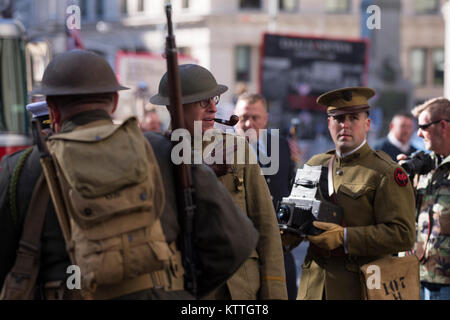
(401, 158)
(332, 238)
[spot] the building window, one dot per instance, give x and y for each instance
(140, 7)
(242, 63)
(185, 4)
(250, 4)
(438, 67)
(185, 51)
(338, 6)
(426, 6)
(288, 5)
(124, 7)
(83, 7)
(417, 66)
(99, 8)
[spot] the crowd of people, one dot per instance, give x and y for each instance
(114, 207)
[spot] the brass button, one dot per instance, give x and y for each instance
(339, 172)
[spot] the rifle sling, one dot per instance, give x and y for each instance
(27, 262)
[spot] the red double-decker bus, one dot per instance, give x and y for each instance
(14, 128)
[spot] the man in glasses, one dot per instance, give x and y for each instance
(262, 276)
(433, 201)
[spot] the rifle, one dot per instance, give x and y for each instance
(48, 168)
(184, 188)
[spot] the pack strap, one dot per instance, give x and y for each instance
(13, 187)
(330, 179)
(58, 203)
(153, 280)
(21, 280)
(170, 279)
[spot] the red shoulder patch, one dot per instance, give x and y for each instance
(400, 177)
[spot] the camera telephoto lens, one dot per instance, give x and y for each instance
(418, 163)
(283, 214)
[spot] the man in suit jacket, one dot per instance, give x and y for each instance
(253, 117)
(398, 140)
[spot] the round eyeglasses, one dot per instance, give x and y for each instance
(206, 102)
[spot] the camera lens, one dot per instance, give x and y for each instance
(283, 214)
(419, 163)
(409, 167)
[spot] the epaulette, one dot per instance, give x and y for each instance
(320, 159)
(385, 157)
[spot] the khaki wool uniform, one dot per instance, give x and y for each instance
(378, 214)
(377, 202)
(262, 276)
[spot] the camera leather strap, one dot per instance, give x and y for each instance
(21, 280)
(330, 179)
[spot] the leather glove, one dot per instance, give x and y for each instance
(332, 238)
(290, 240)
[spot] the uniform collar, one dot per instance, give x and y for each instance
(83, 118)
(346, 154)
(357, 153)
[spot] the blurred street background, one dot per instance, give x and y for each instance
(290, 51)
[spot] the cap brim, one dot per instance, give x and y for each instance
(348, 110)
(65, 91)
(164, 101)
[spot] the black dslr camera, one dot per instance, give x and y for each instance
(418, 163)
(306, 203)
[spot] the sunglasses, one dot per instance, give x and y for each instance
(206, 102)
(426, 126)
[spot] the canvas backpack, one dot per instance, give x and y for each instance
(113, 197)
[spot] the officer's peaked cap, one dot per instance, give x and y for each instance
(346, 100)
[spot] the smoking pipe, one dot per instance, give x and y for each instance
(233, 120)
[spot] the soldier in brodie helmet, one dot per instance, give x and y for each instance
(376, 197)
(262, 276)
(81, 90)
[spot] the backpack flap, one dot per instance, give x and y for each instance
(95, 215)
(113, 193)
(100, 160)
(105, 172)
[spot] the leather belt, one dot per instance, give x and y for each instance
(338, 252)
(57, 290)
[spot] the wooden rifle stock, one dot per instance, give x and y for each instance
(184, 189)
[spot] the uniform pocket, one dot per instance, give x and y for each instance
(442, 208)
(312, 281)
(355, 190)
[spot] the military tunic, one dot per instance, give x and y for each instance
(378, 213)
(262, 276)
(433, 231)
(213, 228)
